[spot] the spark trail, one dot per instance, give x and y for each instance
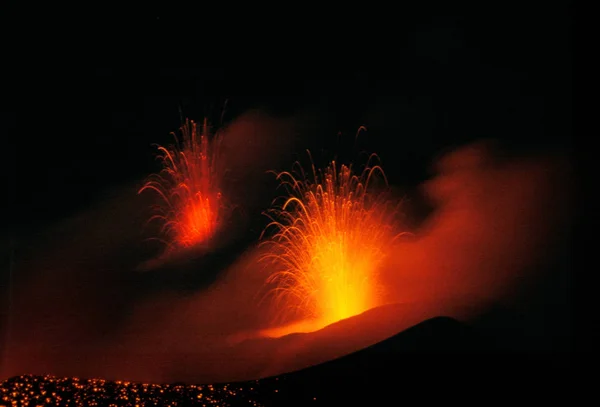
(191, 204)
(332, 234)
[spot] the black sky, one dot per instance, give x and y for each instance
(88, 94)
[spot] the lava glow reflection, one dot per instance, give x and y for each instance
(332, 234)
(190, 207)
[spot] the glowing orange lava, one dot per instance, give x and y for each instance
(332, 234)
(191, 206)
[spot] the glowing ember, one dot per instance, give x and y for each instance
(28, 390)
(332, 234)
(191, 204)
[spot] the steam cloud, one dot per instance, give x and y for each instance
(80, 309)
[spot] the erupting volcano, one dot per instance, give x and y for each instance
(191, 206)
(332, 234)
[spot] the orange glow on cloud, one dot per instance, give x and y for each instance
(499, 225)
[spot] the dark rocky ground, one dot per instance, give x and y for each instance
(436, 353)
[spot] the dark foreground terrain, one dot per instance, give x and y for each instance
(437, 352)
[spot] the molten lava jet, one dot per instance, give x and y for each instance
(191, 205)
(332, 234)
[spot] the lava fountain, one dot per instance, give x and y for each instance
(332, 233)
(190, 207)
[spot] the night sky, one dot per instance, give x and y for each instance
(89, 95)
